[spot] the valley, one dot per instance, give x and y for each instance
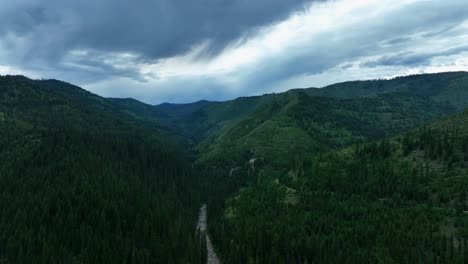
(234, 132)
(355, 172)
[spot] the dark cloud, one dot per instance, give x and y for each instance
(403, 42)
(152, 28)
(412, 58)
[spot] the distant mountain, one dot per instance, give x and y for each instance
(277, 129)
(204, 120)
(84, 181)
(439, 86)
(163, 112)
(313, 119)
(181, 110)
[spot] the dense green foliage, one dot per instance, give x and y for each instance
(450, 86)
(285, 129)
(270, 201)
(172, 117)
(226, 133)
(393, 201)
(297, 177)
(214, 118)
(297, 124)
(83, 182)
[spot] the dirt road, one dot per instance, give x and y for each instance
(212, 258)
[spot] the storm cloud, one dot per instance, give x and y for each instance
(181, 51)
(152, 29)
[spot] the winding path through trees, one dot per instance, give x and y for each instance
(212, 258)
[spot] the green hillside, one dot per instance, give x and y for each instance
(81, 181)
(296, 123)
(165, 122)
(276, 129)
(252, 151)
(274, 132)
(440, 86)
(401, 200)
(209, 124)
(165, 113)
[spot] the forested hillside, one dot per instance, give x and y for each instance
(274, 195)
(214, 118)
(170, 119)
(283, 131)
(401, 200)
(349, 173)
(295, 124)
(211, 128)
(83, 182)
(449, 86)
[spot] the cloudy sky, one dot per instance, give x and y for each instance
(187, 50)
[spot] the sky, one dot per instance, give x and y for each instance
(183, 51)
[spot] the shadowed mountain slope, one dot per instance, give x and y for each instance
(82, 181)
